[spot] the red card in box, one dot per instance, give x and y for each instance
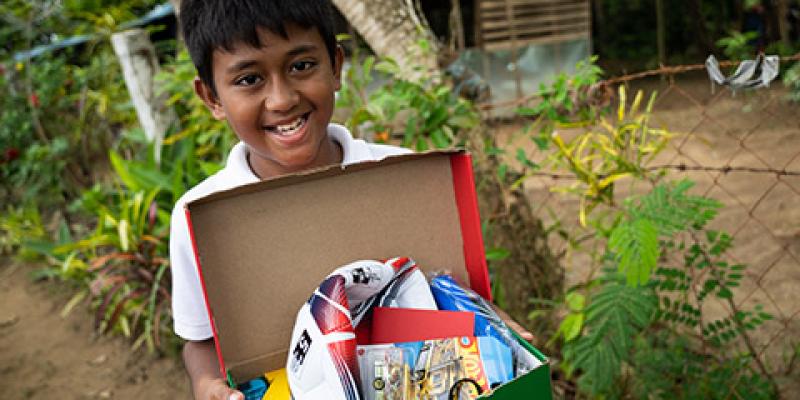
(398, 325)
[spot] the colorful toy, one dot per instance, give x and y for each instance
(450, 295)
(254, 389)
(278, 385)
(322, 353)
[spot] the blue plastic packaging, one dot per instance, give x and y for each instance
(254, 389)
(450, 296)
(497, 360)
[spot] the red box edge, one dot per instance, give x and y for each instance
(469, 216)
(222, 370)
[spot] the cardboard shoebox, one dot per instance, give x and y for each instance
(263, 248)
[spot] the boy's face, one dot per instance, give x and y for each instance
(278, 99)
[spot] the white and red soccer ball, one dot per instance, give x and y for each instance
(322, 354)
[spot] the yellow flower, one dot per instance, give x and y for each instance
(20, 66)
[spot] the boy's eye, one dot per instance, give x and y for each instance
(301, 66)
(248, 80)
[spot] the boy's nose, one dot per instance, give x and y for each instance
(280, 96)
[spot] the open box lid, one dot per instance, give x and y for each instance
(263, 248)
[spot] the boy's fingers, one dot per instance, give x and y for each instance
(521, 331)
(223, 392)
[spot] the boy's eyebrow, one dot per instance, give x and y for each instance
(240, 65)
(300, 49)
(244, 64)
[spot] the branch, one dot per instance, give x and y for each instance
(739, 325)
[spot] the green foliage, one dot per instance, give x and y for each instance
(426, 113)
(666, 210)
(568, 99)
(126, 259)
(59, 118)
(635, 247)
(737, 46)
(607, 151)
(609, 344)
(18, 227)
(626, 30)
(615, 317)
(672, 209)
(792, 81)
(211, 139)
(616, 354)
(668, 366)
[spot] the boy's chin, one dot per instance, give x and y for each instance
(290, 163)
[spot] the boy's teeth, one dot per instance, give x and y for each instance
(284, 129)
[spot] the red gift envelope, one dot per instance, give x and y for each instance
(397, 325)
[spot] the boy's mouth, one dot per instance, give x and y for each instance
(290, 128)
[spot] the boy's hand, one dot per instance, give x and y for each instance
(201, 363)
(522, 332)
(217, 389)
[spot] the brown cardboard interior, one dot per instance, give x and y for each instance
(264, 248)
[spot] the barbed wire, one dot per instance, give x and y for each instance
(661, 71)
(681, 167)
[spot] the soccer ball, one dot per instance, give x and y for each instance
(322, 355)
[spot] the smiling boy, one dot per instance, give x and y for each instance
(270, 68)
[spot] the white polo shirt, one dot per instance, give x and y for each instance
(188, 306)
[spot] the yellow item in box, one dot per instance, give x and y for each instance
(278, 385)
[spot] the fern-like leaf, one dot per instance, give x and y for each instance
(613, 319)
(672, 210)
(635, 247)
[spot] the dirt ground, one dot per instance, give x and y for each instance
(44, 356)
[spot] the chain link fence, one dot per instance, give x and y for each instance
(742, 149)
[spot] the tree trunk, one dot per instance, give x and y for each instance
(782, 11)
(393, 29)
(137, 56)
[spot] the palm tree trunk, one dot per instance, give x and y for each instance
(392, 28)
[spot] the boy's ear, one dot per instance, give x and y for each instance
(337, 68)
(209, 98)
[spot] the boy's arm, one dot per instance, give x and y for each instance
(200, 360)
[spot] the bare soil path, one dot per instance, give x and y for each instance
(46, 356)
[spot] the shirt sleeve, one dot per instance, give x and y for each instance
(189, 311)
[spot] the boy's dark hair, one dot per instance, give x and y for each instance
(207, 25)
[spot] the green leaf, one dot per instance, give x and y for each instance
(571, 326)
(123, 171)
(542, 142)
(439, 139)
(497, 254)
(614, 316)
(523, 159)
(636, 250)
(575, 301)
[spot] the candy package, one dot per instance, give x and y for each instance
(385, 372)
(439, 369)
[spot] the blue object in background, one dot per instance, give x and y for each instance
(254, 389)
